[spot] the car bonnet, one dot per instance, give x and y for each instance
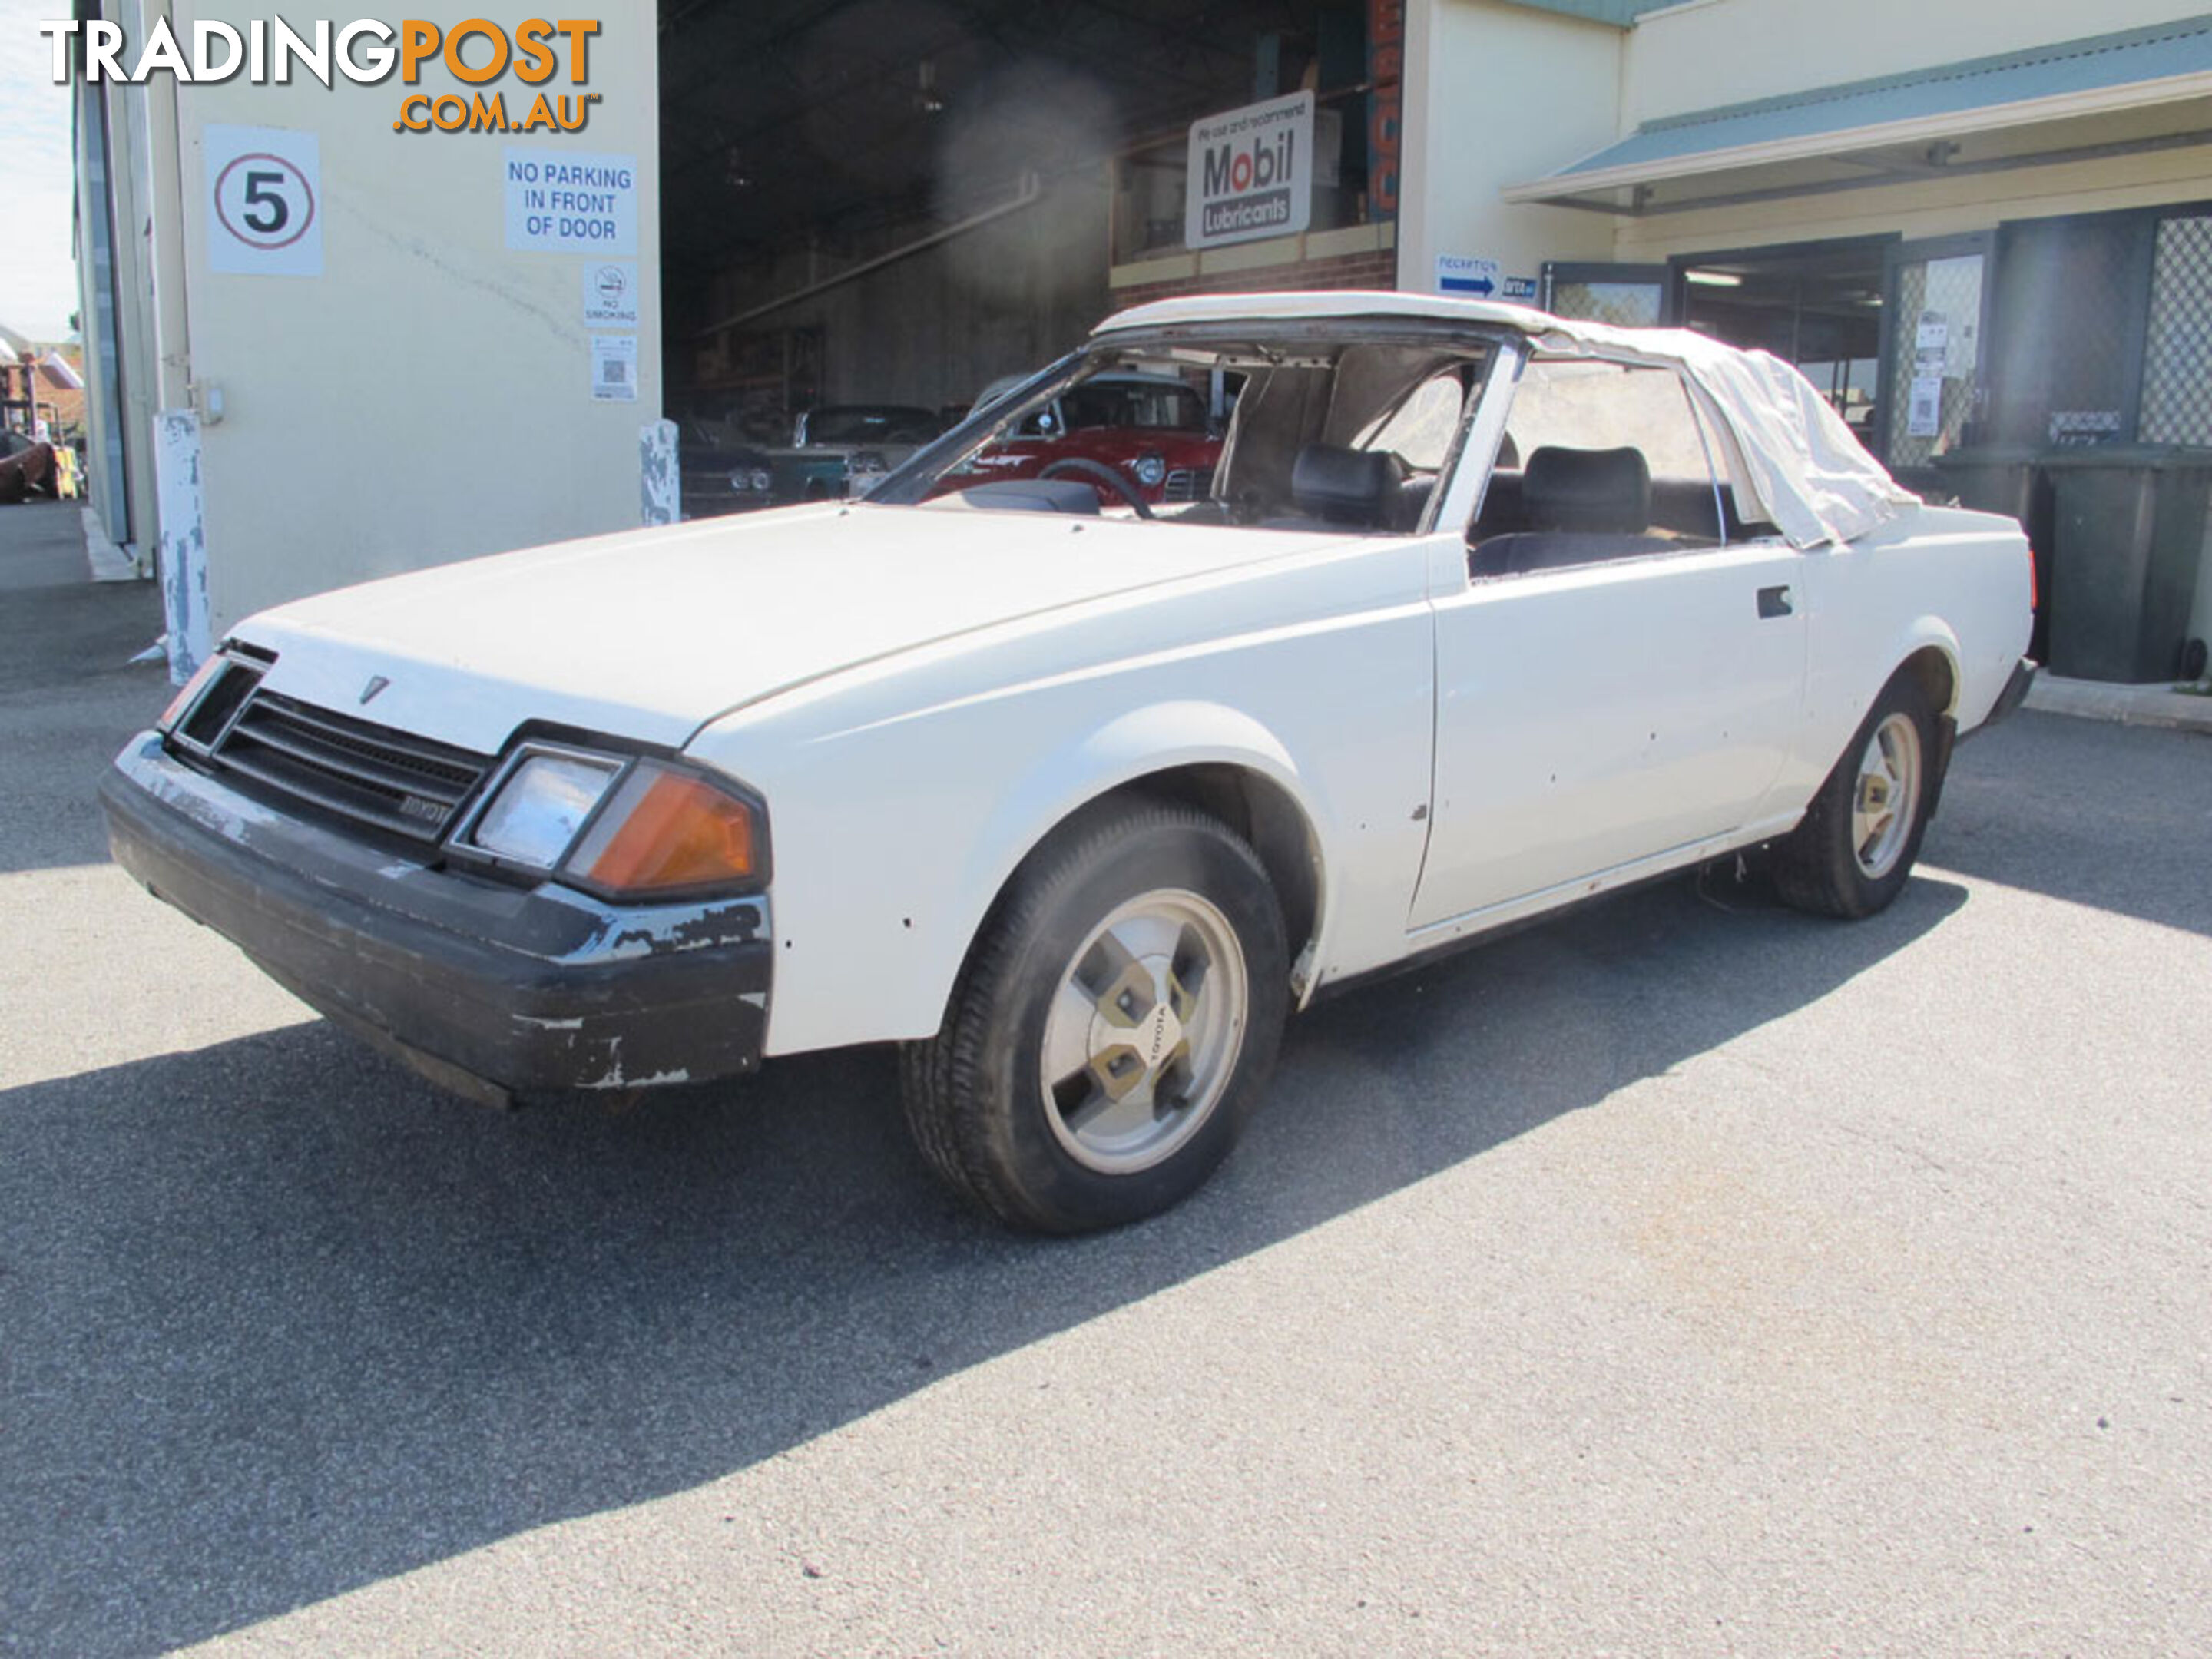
(649, 634)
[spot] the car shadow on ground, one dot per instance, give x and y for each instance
(2017, 809)
(280, 1321)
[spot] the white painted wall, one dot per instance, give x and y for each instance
(1713, 53)
(427, 397)
(1497, 95)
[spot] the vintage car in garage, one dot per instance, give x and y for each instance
(717, 474)
(846, 449)
(834, 453)
(1485, 613)
(1132, 436)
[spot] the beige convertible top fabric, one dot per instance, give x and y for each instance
(1783, 447)
(1791, 451)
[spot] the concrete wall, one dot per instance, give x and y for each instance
(427, 397)
(1497, 95)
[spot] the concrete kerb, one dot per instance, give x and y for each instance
(2127, 705)
(109, 562)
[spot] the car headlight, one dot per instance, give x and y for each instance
(762, 479)
(629, 828)
(537, 812)
(1151, 471)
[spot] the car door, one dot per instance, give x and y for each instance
(1606, 695)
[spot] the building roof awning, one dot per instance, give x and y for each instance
(2144, 90)
(1620, 14)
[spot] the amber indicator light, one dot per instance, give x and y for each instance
(185, 698)
(667, 830)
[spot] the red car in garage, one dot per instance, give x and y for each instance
(1144, 437)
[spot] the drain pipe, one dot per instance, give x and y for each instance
(1031, 189)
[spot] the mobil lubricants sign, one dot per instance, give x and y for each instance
(1251, 172)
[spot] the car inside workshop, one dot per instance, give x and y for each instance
(875, 214)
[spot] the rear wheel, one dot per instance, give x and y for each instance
(1854, 850)
(1114, 1027)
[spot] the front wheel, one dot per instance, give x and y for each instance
(1854, 850)
(1114, 1026)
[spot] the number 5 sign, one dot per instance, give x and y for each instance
(264, 201)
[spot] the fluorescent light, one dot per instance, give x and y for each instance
(1712, 278)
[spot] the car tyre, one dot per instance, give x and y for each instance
(1855, 849)
(1114, 1025)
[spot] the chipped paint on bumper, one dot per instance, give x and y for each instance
(486, 988)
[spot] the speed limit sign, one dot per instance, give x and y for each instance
(264, 201)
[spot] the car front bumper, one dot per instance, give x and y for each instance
(487, 989)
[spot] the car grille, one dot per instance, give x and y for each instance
(366, 775)
(1185, 484)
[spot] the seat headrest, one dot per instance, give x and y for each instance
(1346, 486)
(1595, 491)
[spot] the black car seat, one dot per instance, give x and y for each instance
(1334, 488)
(1580, 507)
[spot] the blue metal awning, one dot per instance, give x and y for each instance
(1620, 13)
(2133, 69)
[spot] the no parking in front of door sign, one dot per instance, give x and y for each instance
(265, 204)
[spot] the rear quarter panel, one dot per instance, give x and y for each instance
(1935, 577)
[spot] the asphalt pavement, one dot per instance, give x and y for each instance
(1685, 1276)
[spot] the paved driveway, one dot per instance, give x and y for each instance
(1689, 1276)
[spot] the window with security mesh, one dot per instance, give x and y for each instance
(2176, 385)
(1936, 354)
(1626, 305)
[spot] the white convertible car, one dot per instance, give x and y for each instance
(1077, 798)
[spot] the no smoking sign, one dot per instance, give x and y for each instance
(264, 201)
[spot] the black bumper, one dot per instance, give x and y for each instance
(2014, 693)
(487, 989)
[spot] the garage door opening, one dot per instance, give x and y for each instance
(873, 210)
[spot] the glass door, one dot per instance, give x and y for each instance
(1935, 383)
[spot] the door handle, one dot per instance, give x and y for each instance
(1775, 602)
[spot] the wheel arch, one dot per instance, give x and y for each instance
(1217, 759)
(1268, 817)
(1930, 654)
